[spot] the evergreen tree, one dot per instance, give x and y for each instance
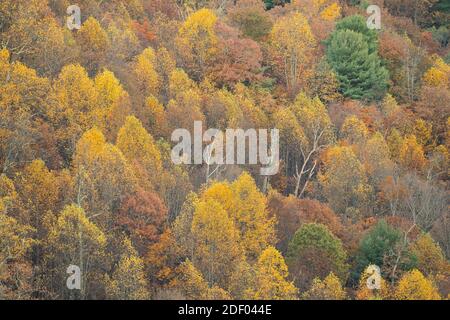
(382, 246)
(315, 252)
(358, 24)
(359, 71)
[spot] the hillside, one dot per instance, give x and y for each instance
(224, 149)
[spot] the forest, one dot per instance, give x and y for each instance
(92, 207)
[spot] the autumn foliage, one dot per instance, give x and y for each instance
(87, 178)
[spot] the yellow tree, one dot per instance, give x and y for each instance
(127, 281)
(246, 206)
(249, 211)
(74, 240)
(39, 192)
(395, 142)
(125, 41)
(216, 242)
(77, 102)
(113, 101)
(15, 242)
(102, 177)
(321, 15)
(220, 192)
(197, 41)
(217, 293)
(430, 258)
(324, 83)
(23, 23)
(8, 194)
(193, 286)
(271, 275)
(389, 105)
(53, 49)
(291, 133)
(374, 155)
(329, 288)
(182, 226)
(253, 106)
(109, 89)
(423, 131)
(438, 75)
(154, 118)
(94, 45)
(411, 154)
(316, 125)
(175, 182)
(165, 65)
(440, 161)
(354, 130)
(139, 147)
(331, 12)
(223, 110)
(146, 75)
(242, 279)
(185, 105)
(24, 103)
(179, 82)
(190, 282)
(293, 44)
(292, 137)
(414, 286)
(344, 182)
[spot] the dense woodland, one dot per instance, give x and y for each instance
(86, 177)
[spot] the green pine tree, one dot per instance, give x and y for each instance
(358, 24)
(360, 73)
(381, 246)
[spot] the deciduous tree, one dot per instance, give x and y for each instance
(344, 182)
(74, 240)
(94, 43)
(197, 41)
(328, 289)
(293, 44)
(271, 275)
(127, 281)
(414, 286)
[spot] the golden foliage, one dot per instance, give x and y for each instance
(146, 75)
(128, 279)
(414, 286)
(294, 44)
(197, 41)
(271, 282)
(438, 74)
(328, 289)
(411, 154)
